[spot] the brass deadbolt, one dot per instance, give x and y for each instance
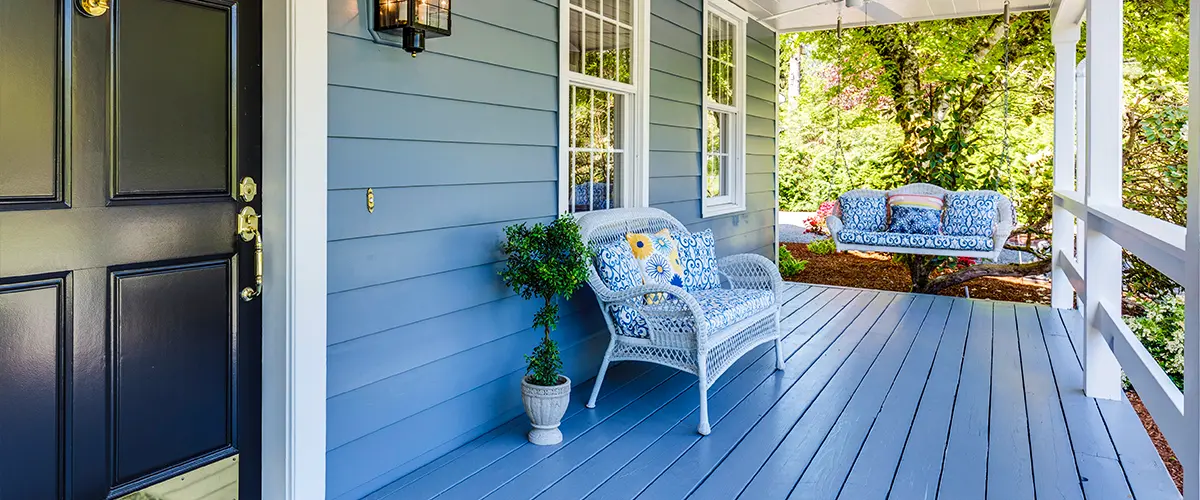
(93, 8)
(247, 190)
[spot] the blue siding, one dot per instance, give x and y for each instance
(425, 343)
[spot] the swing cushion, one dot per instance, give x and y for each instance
(905, 240)
(970, 214)
(915, 214)
(864, 213)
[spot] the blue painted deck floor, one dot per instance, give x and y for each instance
(885, 395)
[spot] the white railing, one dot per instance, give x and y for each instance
(1091, 227)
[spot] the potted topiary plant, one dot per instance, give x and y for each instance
(547, 262)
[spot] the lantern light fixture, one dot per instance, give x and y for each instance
(413, 21)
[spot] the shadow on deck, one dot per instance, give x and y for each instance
(885, 395)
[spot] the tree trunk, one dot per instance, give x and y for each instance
(935, 285)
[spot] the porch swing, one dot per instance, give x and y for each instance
(925, 219)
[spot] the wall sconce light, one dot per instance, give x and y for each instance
(413, 21)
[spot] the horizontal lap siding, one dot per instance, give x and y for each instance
(426, 343)
(676, 118)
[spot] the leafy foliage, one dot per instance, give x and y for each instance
(788, 265)
(1160, 329)
(547, 262)
(822, 247)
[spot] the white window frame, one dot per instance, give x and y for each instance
(635, 173)
(735, 200)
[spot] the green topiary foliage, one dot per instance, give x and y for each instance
(547, 262)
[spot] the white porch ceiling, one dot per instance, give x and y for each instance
(816, 15)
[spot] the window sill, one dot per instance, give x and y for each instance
(715, 210)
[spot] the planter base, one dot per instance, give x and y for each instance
(545, 437)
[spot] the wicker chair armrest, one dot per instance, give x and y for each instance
(834, 223)
(751, 271)
(680, 311)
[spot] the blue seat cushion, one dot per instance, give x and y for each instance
(722, 307)
(698, 256)
(915, 220)
(970, 214)
(934, 242)
(864, 213)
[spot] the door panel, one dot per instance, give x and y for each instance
(172, 394)
(174, 70)
(30, 167)
(31, 355)
(127, 358)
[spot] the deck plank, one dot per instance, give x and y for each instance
(596, 470)
(648, 466)
(791, 396)
(964, 470)
(490, 448)
(920, 465)
(1055, 473)
(876, 361)
(1147, 476)
(1095, 457)
(884, 395)
(884, 405)
(1010, 464)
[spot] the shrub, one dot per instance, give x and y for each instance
(788, 265)
(816, 223)
(548, 262)
(1160, 329)
(822, 247)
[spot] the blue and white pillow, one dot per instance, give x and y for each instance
(915, 220)
(617, 267)
(698, 256)
(971, 214)
(864, 213)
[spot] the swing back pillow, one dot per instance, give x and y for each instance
(915, 213)
(971, 214)
(864, 213)
(657, 256)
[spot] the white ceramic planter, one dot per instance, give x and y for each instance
(545, 406)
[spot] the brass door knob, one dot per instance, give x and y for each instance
(93, 8)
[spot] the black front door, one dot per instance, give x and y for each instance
(127, 356)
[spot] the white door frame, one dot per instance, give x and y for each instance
(295, 121)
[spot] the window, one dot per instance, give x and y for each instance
(724, 169)
(604, 73)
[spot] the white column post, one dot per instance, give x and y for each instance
(1081, 156)
(1063, 238)
(1190, 456)
(1102, 264)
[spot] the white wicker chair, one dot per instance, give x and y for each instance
(678, 335)
(1002, 229)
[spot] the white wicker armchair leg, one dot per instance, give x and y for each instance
(702, 383)
(778, 343)
(600, 376)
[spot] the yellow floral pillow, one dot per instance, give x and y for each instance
(658, 260)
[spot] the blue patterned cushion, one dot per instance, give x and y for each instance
(698, 256)
(864, 213)
(599, 196)
(971, 214)
(721, 307)
(936, 241)
(915, 220)
(617, 267)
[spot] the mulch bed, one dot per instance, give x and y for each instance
(877, 271)
(1160, 442)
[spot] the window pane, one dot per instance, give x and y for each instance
(592, 47)
(727, 84)
(625, 8)
(624, 55)
(592, 5)
(595, 149)
(714, 123)
(610, 9)
(609, 71)
(714, 182)
(576, 41)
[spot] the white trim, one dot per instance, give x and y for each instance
(295, 121)
(735, 200)
(636, 184)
